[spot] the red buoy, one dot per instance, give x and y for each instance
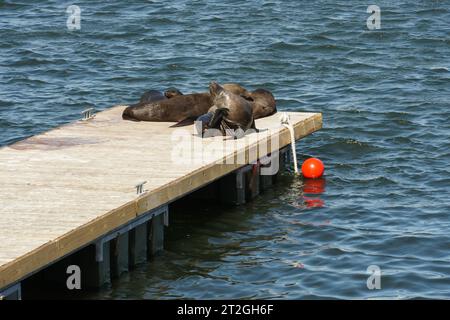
(312, 168)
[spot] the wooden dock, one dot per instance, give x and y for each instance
(69, 187)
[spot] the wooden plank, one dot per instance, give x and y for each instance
(66, 187)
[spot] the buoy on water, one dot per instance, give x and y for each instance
(312, 168)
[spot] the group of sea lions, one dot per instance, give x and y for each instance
(228, 108)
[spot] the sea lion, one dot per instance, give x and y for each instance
(264, 103)
(237, 89)
(229, 112)
(172, 92)
(183, 109)
(152, 96)
(155, 95)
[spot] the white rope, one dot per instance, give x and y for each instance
(286, 121)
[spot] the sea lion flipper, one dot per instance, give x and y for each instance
(253, 126)
(217, 117)
(185, 122)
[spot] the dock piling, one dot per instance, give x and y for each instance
(252, 181)
(266, 182)
(283, 161)
(138, 245)
(95, 265)
(232, 188)
(119, 255)
(156, 235)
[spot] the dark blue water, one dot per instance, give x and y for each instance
(385, 99)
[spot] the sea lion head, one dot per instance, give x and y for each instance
(221, 97)
(264, 103)
(215, 88)
(172, 92)
(238, 89)
(217, 92)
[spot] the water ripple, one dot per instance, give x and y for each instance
(385, 142)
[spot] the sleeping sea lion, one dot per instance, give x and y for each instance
(180, 109)
(183, 109)
(264, 103)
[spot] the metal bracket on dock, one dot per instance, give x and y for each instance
(131, 225)
(15, 291)
(140, 187)
(88, 114)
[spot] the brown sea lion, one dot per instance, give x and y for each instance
(152, 96)
(183, 109)
(230, 113)
(155, 95)
(236, 89)
(264, 103)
